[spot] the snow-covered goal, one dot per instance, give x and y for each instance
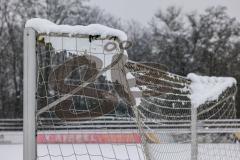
(83, 99)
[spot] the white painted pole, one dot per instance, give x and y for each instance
(141, 132)
(29, 100)
(194, 143)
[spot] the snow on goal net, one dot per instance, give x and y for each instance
(189, 117)
(95, 104)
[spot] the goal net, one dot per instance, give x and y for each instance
(84, 102)
(188, 117)
(92, 103)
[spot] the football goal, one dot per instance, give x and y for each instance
(85, 100)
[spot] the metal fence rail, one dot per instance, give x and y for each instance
(114, 123)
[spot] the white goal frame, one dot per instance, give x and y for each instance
(29, 101)
(30, 112)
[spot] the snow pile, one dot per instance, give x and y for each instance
(45, 26)
(205, 88)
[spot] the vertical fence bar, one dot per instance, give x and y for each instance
(29, 100)
(194, 144)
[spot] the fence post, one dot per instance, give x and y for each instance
(194, 143)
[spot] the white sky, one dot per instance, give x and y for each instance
(143, 10)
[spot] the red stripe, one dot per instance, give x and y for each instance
(100, 138)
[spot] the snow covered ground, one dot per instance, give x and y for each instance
(76, 151)
(123, 152)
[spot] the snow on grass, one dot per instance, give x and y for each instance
(172, 151)
(77, 152)
(205, 88)
(46, 26)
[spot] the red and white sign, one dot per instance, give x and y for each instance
(101, 138)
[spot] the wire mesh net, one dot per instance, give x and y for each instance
(165, 110)
(78, 101)
(95, 104)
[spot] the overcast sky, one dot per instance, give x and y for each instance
(143, 10)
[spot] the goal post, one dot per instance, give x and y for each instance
(84, 99)
(61, 71)
(29, 102)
